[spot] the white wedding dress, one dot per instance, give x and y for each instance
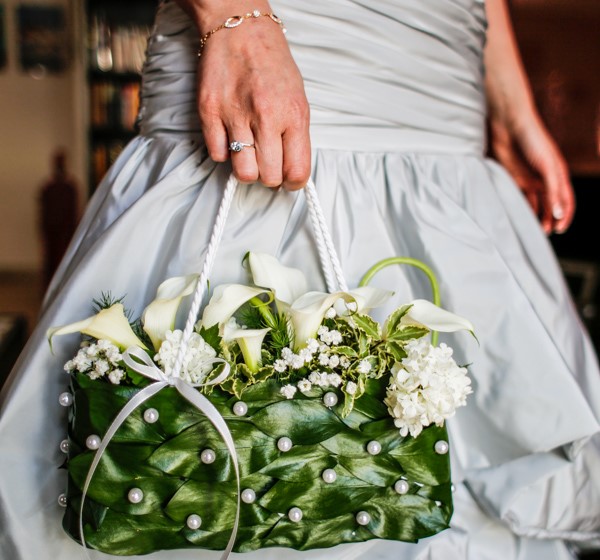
(398, 114)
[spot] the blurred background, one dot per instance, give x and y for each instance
(69, 86)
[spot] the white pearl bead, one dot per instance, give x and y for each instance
(135, 495)
(402, 486)
(295, 514)
(453, 488)
(329, 476)
(374, 447)
(363, 518)
(441, 447)
(248, 496)
(284, 444)
(62, 500)
(151, 415)
(64, 446)
(65, 399)
(240, 408)
(438, 503)
(194, 522)
(93, 442)
(330, 399)
(208, 456)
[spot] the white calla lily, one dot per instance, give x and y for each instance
(225, 301)
(435, 318)
(249, 340)
(307, 312)
(109, 324)
(159, 316)
(287, 283)
(369, 297)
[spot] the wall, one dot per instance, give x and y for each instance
(36, 117)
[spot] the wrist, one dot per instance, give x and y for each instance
(209, 14)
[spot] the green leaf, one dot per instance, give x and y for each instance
(396, 350)
(316, 498)
(408, 333)
(211, 337)
(347, 351)
(420, 517)
(393, 321)
(379, 470)
(368, 325)
(300, 464)
(181, 455)
(419, 459)
(304, 421)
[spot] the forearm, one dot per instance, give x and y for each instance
(209, 13)
(509, 95)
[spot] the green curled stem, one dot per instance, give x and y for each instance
(435, 288)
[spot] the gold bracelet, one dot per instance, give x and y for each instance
(236, 21)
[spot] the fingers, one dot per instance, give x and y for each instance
(243, 162)
(296, 159)
(559, 201)
(269, 156)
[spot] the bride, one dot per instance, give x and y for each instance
(384, 104)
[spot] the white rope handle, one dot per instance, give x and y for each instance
(325, 248)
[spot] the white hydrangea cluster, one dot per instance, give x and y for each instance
(426, 387)
(96, 360)
(197, 361)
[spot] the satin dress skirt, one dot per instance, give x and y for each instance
(398, 113)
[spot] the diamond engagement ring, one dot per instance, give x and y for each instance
(236, 146)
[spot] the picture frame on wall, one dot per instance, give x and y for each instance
(43, 39)
(3, 53)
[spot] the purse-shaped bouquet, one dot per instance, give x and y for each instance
(282, 417)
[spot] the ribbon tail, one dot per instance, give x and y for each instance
(131, 405)
(205, 406)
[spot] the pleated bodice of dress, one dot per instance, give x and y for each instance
(380, 75)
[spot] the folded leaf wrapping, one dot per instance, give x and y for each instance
(163, 459)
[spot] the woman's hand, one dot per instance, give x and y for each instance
(531, 156)
(250, 90)
(519, 140)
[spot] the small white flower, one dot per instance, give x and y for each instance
(334, 361)
(312, 345)
(70, 366)
(304, 385)
(92, 350)
(323, 380)
(334, 379)
(115, 376)
(323, 348)
(287, 355)
(351, 387)
(352, 306)
(101, 366)
(288, 391)
(331, 313)
(335, 337)
(364, 367)
(322, 330)
(297, 362)
(280, 366)
(323, 360)
(306, 355)
(345, 362)
(314, 378)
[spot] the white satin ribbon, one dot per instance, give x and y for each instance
(144, 365)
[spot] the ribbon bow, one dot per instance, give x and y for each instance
(144, 365)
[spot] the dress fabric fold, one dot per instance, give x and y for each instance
(398, 115)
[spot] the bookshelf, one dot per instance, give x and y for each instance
(117, 34)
